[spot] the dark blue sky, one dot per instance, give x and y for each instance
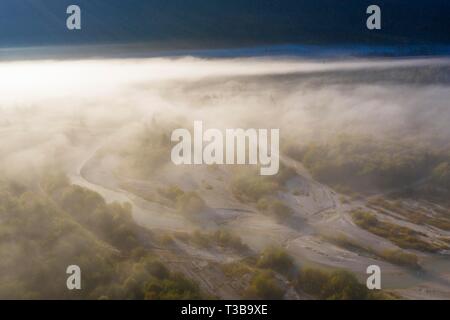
(178, 24)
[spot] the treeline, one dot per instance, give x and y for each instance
(337, 285)
(402, 236)
(45, 228)
(248, 186)
(270, 272)
(352, 163)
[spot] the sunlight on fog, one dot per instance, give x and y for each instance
(29, 82)
(79, 137)
(306, 99)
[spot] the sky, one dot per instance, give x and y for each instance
(209, 24)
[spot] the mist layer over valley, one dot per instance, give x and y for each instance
(86, 179)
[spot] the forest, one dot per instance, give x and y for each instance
(47, 228)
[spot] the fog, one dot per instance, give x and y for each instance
(105, 124)
(41, 101)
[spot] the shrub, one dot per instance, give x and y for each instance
(252, 187)
(226, 239)
(343, 285)
(222, 238)
(397, 257)
(276, 259)
(175, 288)
(403, 237)
(312, 281)
(264, 286)
(275, 208)
(401, 258)
(336, 285)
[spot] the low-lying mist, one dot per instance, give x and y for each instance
(42, 103)
(86, 178)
